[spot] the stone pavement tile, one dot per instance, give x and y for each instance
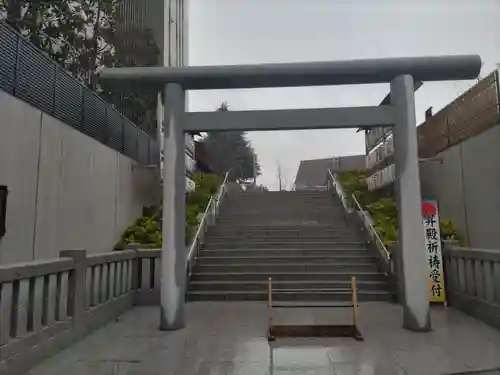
(428, 360)
(481, 356)
(167, 362)
(366, 368)
(254, 350)
(303, 370)
(231, 368)
(87, 368)
(300, 352)
(349, 350)
(229, 338)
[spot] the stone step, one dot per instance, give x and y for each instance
(291, 244)
(228, 232)
(280, 211)
(268, 209)
(368, 259)
(276, 195)
(271, 206)
(293, 201)
(281, 206)
(277, 205)
(284, 218)
(285, 267)
(276, 200)
(313, 229)
(283, 230)
(341, 237)
(264, 217)
(278, 220)
(285, 252)
(305, 295)
(302, 193)
(287, 276)
(237, 285)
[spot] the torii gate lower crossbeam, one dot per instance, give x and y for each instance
(401, 73)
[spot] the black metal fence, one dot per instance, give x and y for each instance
(27, 73)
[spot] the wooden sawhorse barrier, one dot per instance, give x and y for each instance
(312, 330)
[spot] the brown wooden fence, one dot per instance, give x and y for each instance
(475, 111)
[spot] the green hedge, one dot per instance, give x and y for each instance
(146, 230)
(382, 206)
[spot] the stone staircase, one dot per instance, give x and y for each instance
(300, 239)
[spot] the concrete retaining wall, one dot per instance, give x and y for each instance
(465, 179)
(66, 190)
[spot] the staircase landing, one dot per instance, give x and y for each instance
(229, 338)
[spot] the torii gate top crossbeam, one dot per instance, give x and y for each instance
(441, 68)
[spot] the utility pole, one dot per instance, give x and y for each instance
(280, 177)
(254, 169)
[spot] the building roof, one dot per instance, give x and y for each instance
(313, 172)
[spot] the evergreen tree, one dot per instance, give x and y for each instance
(231, 151)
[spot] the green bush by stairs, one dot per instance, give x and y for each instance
(146, 230)
(382, 207)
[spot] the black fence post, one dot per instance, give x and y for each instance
(82, 115)
(16, 68)
(54, 89)
(123, 134)
(106, 127)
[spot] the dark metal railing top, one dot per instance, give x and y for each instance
(29, 74)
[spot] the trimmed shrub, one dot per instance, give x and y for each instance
(147, 230)
(382, 206)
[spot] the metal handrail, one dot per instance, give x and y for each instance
(342, 195)
(211, 212)
(340, 192)
(367, 221)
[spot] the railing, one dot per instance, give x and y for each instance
(352, 205)
(29, 74)
(209, 218)
(344, 199)
(473, 282)
(47, 305)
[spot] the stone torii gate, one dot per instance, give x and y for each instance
(402, 73)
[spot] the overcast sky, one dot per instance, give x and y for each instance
(224, 32)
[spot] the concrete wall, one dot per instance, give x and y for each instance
(65, 189)
(465, 179)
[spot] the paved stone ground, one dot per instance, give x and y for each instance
(229, 338)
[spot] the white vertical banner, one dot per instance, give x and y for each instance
(430, 217)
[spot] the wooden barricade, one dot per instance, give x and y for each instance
(337, 330)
